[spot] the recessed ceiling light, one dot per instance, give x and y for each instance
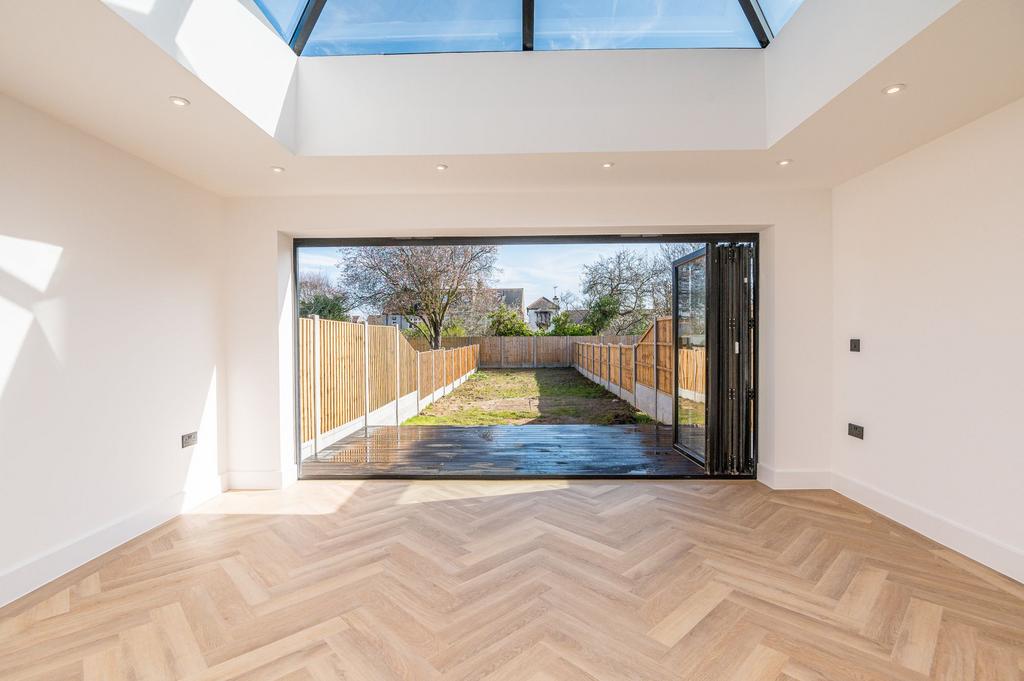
(607, 164)
(179, 101)
(894, 89)
(277, 169)
(441, 166)
(785, 162)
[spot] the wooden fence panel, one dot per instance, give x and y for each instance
(605, 340)
(614, 357)
(665, 355)
(407, 360)
(382, 365)
(344, 350)
(626, 362)
(490, 351)
(517, 351)
(342, 398)
(426, 384)
(552, 351)
(645, 359)
(692, 370)
(437, 361)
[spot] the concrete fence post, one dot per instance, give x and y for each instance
(418, 393)
(366, 378)
(654, 337)
(398, 375)
(316, 384)
(634, 376)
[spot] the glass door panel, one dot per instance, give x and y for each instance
(690, 274)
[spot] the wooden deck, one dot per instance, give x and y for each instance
(504, 452)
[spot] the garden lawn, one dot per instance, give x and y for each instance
(521, 396)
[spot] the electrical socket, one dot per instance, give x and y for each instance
(189, 439)
(855, 345)
(853, 430)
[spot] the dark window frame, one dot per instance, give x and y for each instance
(702, 238)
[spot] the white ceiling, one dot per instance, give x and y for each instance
(82, 63)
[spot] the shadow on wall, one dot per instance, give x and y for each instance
(28, 267)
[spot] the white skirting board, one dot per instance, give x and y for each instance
(34, 573)
(793, 478)
(1001, 557)
(257, 479)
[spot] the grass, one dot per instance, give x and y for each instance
(470, 416)
(520, 396)
(690, 413)
(536, 383)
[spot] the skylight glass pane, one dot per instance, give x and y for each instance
(778, 12)
(619, 24)
(416, 26)
(283, 15)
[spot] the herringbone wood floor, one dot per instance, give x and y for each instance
(526, 581)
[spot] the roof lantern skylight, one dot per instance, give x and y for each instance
(360, 27)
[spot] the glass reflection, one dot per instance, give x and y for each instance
(691, 342)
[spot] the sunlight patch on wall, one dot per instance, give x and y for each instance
(52, 317)
(202, 481)
(239, 57)
(15, 321)
(31, 262)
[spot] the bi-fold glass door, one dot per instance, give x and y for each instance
(715, 338)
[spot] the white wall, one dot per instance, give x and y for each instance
(110, 349)
(230, 48)
(519, 103)
(828, 45)
(928, 270)
(795, 306)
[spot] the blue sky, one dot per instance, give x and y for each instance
(537, 269)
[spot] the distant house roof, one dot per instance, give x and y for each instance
(542, 303)
(511, 297)
(576, 316)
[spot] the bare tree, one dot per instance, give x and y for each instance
(422, 282)
(669, 253)
(472, 308)
(320, 295)
(631, 278)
